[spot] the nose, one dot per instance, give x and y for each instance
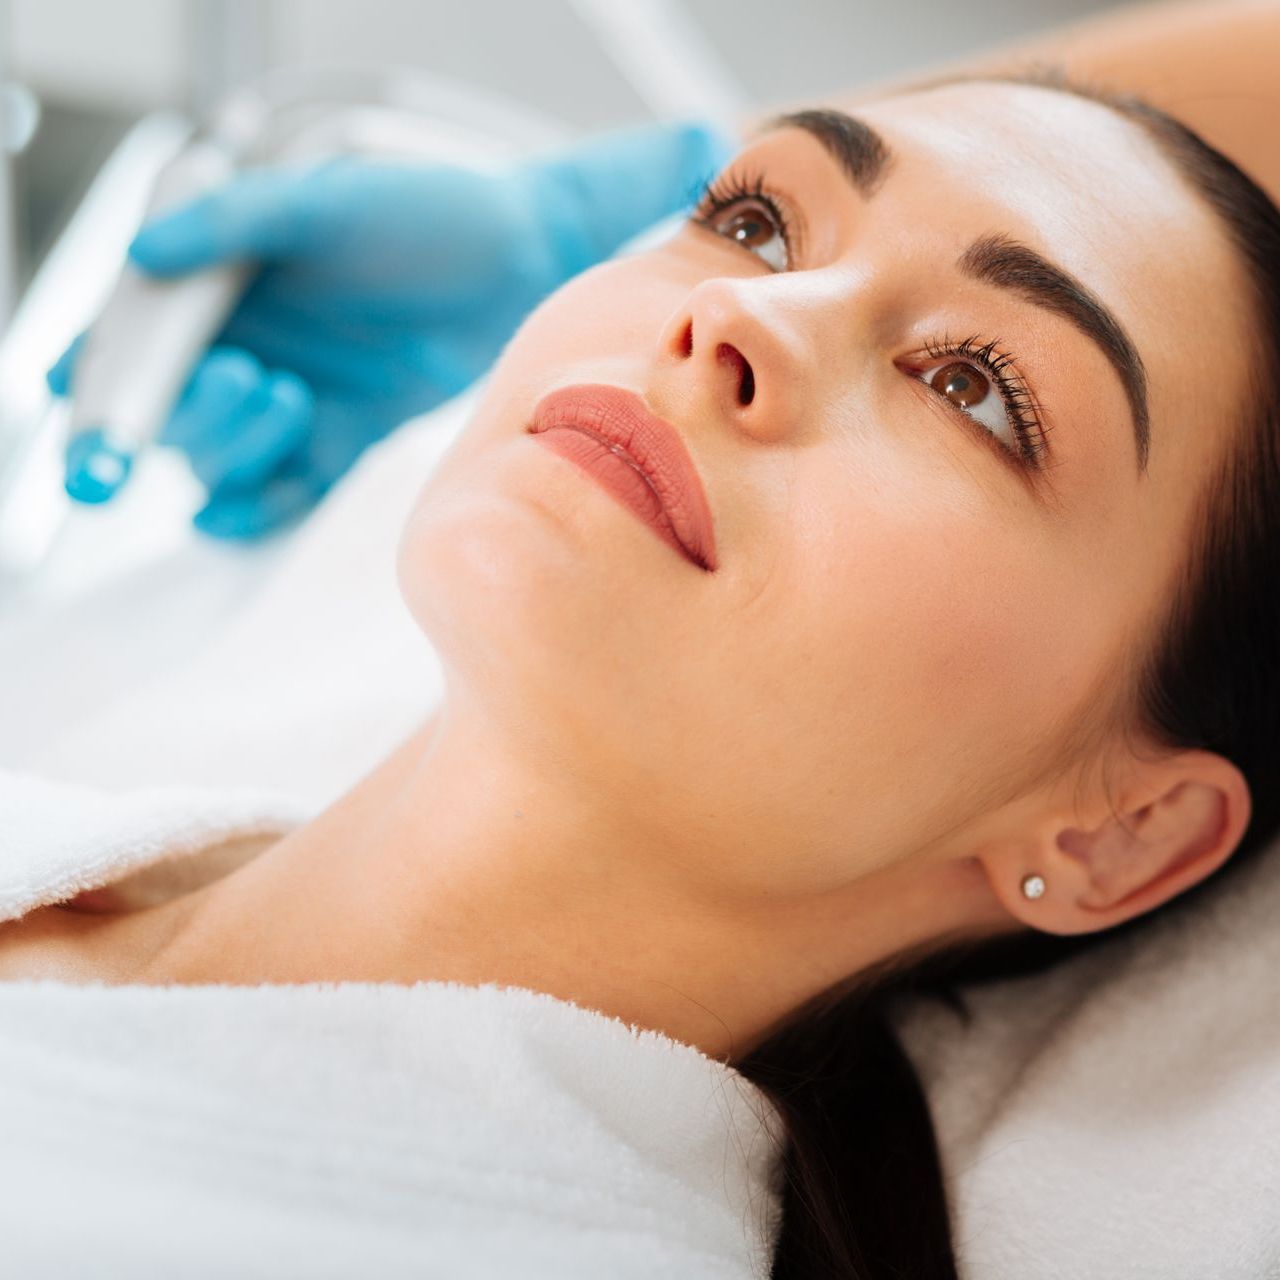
(738, 355)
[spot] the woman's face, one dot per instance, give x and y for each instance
(909, 621)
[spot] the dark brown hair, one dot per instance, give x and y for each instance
(863, 1194)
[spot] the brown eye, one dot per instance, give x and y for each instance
(753, 223)
(986, 388)
(962, 384)
(752, 230)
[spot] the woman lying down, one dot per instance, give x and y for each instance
(935, 638)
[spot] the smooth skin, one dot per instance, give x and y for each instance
(695, 800)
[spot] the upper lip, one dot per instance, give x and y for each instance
(621, 419)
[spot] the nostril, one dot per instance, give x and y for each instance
(686, 340)
(746, 378)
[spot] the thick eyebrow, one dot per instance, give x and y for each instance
(998, 260)
(854, 145)
(864, 157)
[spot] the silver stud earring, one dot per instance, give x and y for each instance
(1033, 886)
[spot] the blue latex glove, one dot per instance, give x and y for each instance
(384, 290)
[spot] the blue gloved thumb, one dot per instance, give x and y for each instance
(256, 215)
(595, 196)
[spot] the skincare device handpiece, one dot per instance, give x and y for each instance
(146, 341)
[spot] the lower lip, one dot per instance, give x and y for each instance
(611, 470)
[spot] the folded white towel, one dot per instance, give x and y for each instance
(349, 1129)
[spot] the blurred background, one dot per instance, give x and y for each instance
(79, 73)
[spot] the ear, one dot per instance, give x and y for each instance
(1176, 819)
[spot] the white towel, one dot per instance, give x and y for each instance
(349, 1129)
(57, 839)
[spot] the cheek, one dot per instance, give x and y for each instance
(962, 631)
(613, 311)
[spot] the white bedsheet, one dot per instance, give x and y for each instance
(159, 656)
(1118, 1118)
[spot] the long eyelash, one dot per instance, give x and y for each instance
(1020, 404)
(715, 195)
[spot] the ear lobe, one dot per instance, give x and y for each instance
(1181, 819)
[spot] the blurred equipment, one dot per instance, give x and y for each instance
(145, 335)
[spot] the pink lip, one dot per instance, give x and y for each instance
(671, 500)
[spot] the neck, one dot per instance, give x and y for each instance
(455, 861)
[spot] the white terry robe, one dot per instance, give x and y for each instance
(341, 1129)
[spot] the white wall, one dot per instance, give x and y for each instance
(133, 53)
(117, 52)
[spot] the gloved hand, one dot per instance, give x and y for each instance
(385, 289)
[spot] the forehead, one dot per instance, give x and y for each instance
(1071, 176)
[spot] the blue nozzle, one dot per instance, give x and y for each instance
(96, 468)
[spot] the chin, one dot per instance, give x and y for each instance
(506, 591)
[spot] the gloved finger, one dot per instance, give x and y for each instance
(59, 377)
(269, 429)
(242, 515)
(597, 194)
(225, 384)
(261, 214)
